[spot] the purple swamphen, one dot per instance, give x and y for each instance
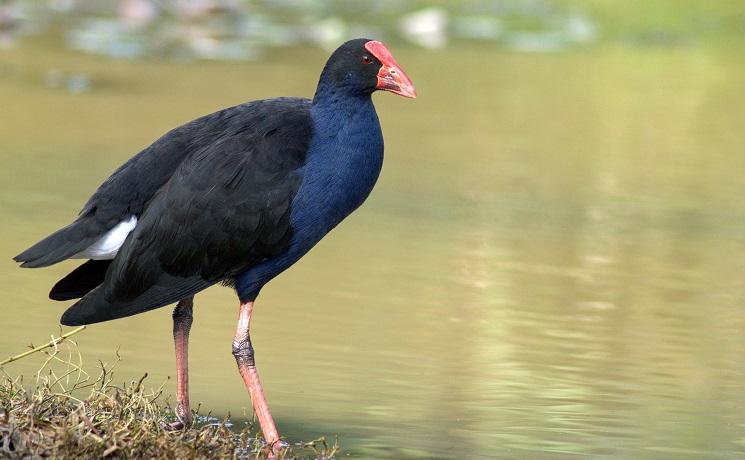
(234, 197)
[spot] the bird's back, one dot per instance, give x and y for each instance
(211, 198)
(128, 190)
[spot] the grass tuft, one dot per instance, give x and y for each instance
(66, 412)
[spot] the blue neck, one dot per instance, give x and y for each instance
(336, 108)
(344, 158)
(343, 163)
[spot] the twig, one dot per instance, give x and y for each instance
(52, 343)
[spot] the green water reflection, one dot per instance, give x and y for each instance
(550, 267)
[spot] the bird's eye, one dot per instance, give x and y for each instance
(366, 59)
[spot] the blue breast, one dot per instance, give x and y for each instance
(343, 163)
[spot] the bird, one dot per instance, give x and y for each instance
(235, 198)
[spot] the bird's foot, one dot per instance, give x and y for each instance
(183, 420)
(178, 425)
(274, 449)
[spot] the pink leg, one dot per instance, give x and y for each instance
(182, 319)
(244, 356)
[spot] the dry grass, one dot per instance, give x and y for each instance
(66, 412)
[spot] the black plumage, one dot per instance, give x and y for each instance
(225, 207)
(80, 281)
(128, 190)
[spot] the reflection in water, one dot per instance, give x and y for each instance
(550, 266)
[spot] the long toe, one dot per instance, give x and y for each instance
(173, 426)
(273, 452)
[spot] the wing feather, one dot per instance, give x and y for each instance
(130, 188)
(225, 209)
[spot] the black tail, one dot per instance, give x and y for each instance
(60, 245)
(80, 281)
(94, 307)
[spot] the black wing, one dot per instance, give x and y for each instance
(226, 208)
(80, 281)
(127, 191)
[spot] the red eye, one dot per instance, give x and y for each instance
(366, 59)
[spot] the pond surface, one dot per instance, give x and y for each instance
(551, 266)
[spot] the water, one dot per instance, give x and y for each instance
(550, 266)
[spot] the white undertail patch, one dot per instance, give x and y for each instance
(108, 245)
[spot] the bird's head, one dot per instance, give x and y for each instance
(362, 66)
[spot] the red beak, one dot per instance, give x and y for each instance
(391, 76)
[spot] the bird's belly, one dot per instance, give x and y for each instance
(108, 245)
